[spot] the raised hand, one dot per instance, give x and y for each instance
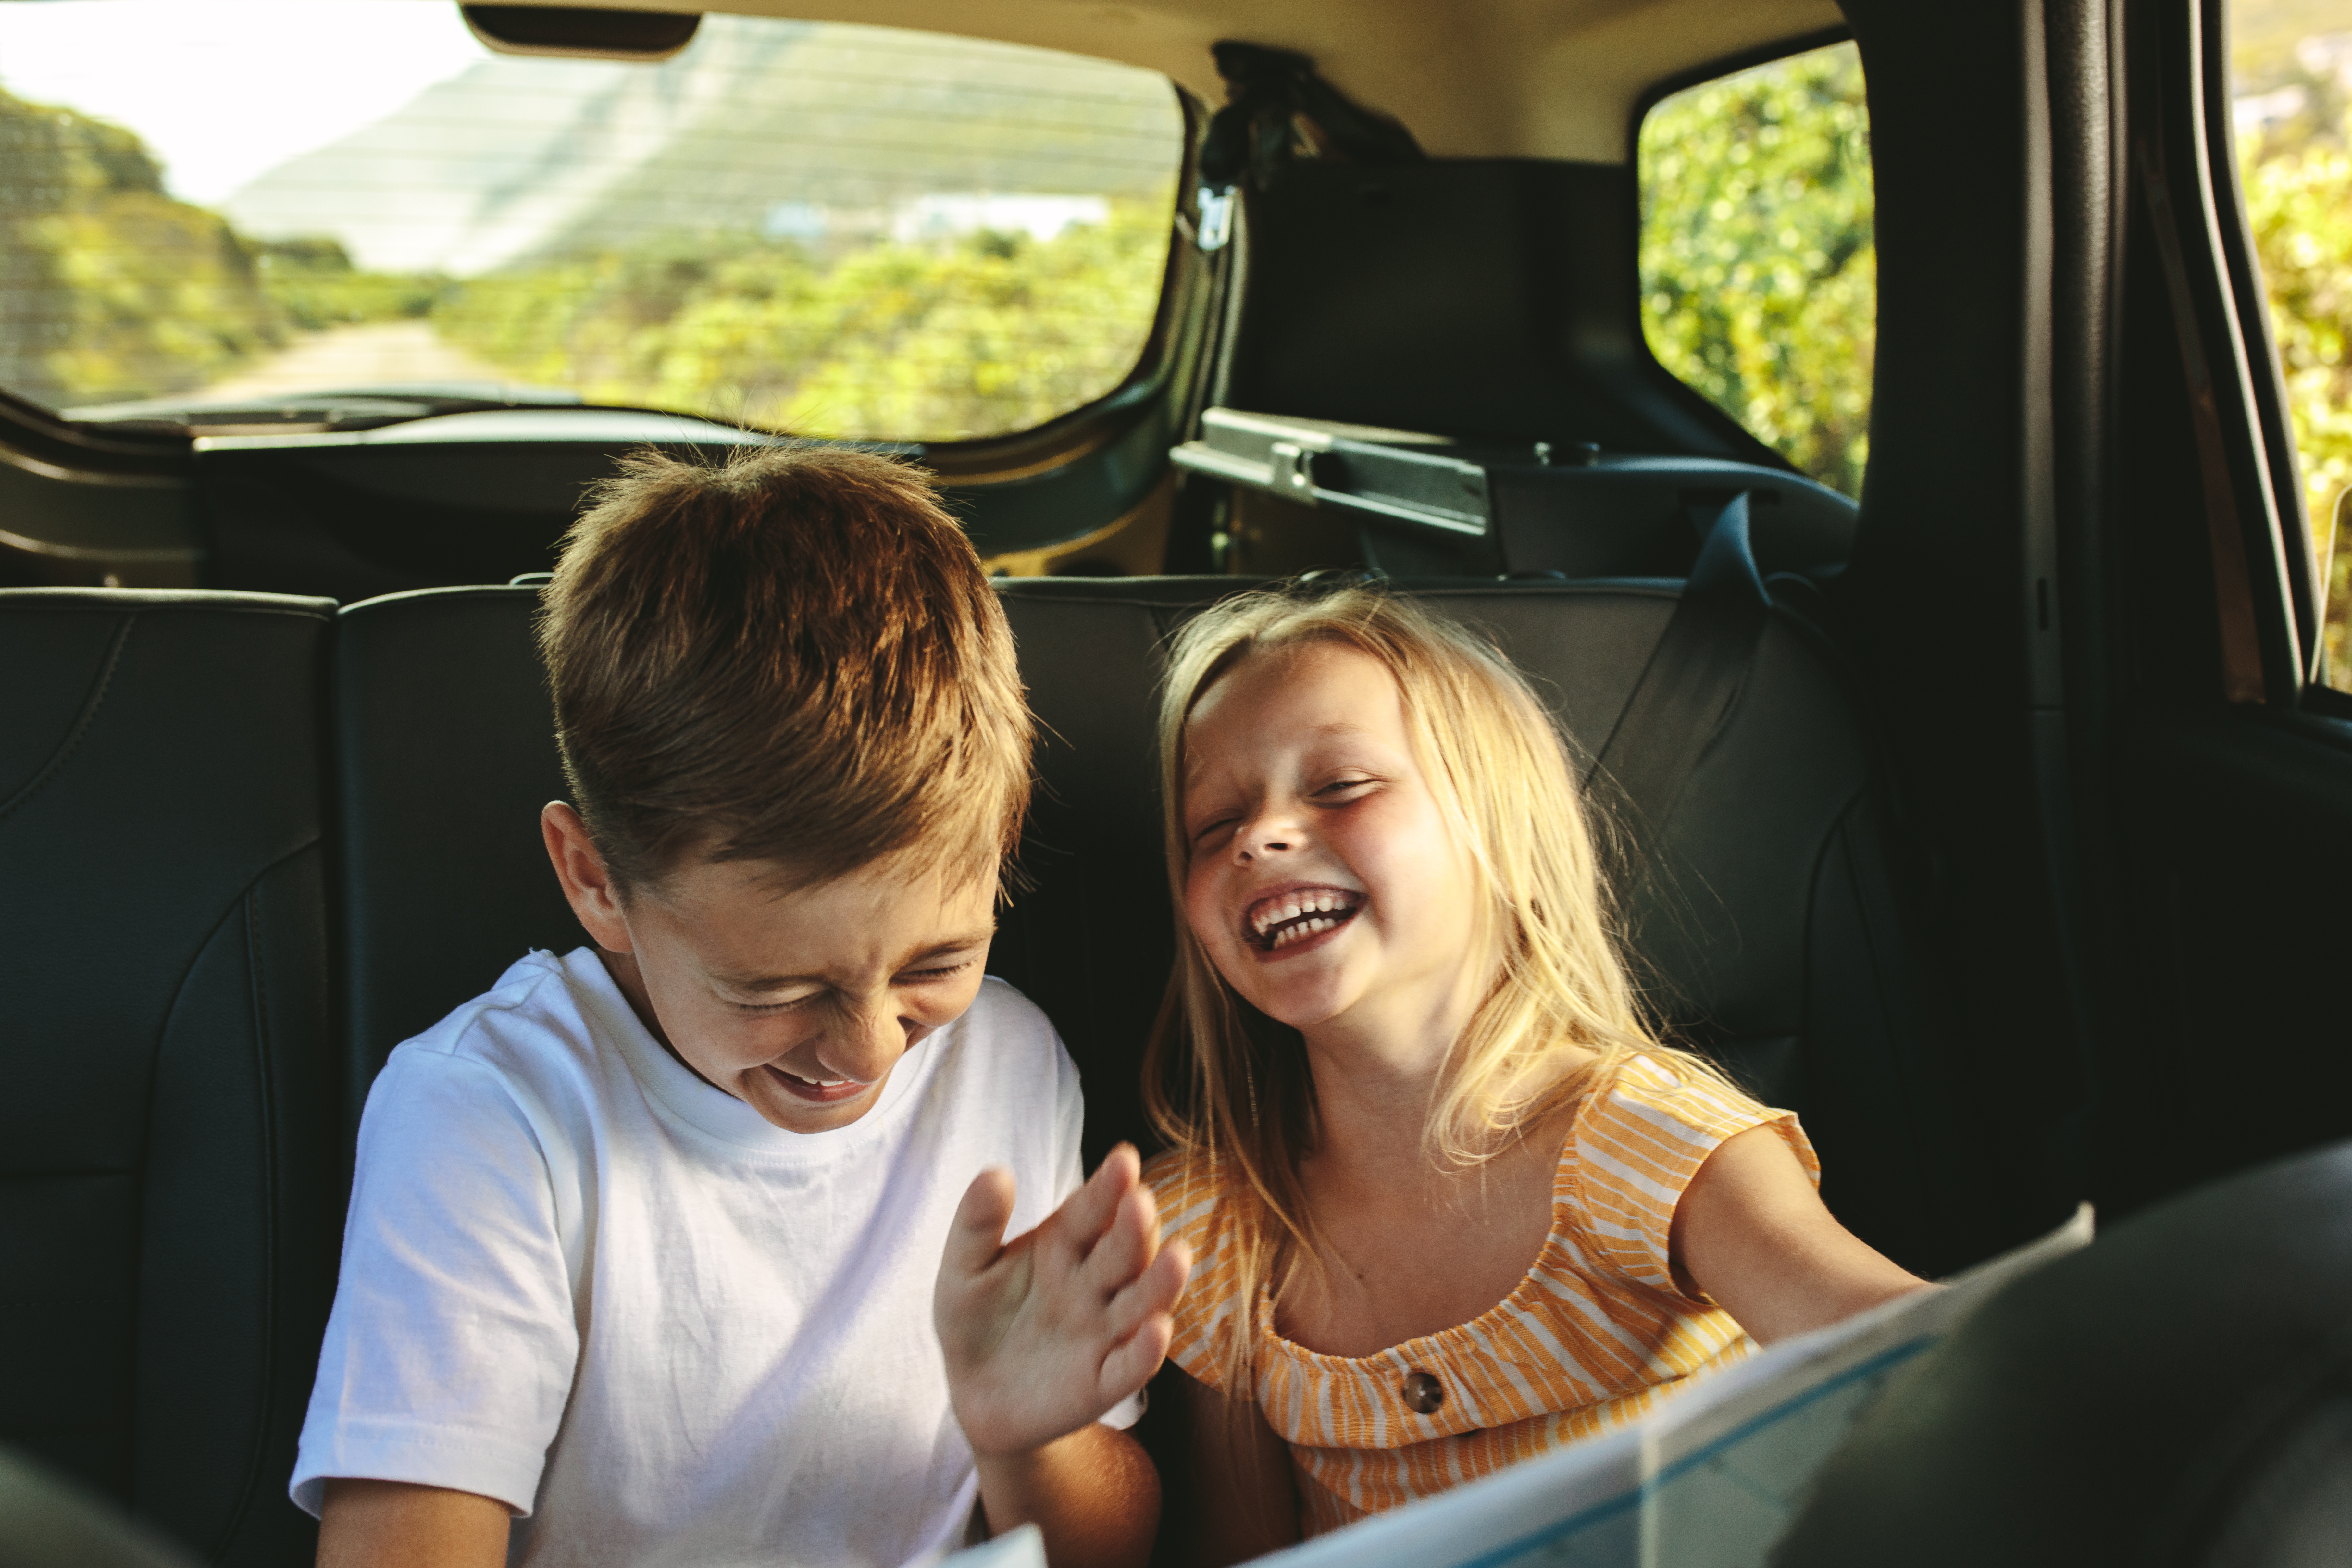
(1045, 1332)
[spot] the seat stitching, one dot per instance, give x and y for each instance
(240, 903)
(258, 967)
(81, 725)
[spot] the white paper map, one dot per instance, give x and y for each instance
(1709, 1479)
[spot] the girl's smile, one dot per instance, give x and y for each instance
(1285, 920)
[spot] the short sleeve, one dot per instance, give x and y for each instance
(1185, 1187)
(450, 1351)
(1635, 1149)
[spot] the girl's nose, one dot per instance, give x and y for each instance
(1269, 833)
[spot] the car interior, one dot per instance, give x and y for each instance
(1988, 802)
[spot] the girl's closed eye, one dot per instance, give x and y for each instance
(1223, 822)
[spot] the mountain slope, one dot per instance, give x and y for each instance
(521, 159)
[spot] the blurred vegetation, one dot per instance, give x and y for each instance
(111, 288)
(116, 291)
(1760, 271)
(2296, 172)
(316, 284)
(990, 333)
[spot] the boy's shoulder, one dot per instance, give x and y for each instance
(1001, 1058)
(1006, 1018)
(541, 1008)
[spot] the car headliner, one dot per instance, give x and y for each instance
(1471, 78)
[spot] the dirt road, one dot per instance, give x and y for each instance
(376, 354)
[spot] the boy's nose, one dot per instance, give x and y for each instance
(868, 1042)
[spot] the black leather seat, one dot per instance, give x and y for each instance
(2177, 1395)
(169, 1197)
(445, 751)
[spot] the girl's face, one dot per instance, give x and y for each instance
(1322, 878)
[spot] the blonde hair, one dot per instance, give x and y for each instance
(1223, 1083)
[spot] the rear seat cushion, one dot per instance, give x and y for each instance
(169, 1202)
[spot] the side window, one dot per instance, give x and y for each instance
(833, 229)
(1759, 274)
(2290, 70)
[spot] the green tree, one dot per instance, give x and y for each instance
(120, 290)
(989, 335)
(1759, 273)
(2298, 193)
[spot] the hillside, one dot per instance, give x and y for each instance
(522, 160)
(115, 289)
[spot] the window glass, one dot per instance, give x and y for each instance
(1759, 272)
(2291, 67)
(838, 230)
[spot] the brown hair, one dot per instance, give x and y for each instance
(791, 655)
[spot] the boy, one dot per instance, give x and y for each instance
(663, 1251)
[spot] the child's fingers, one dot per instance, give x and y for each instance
(1130, 1365)
(1126, 1245)
(1079, 1223)
(1154, 1291)
(978, 1233)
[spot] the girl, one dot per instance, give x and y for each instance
(1450, 1203)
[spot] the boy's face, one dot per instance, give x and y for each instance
(797, 1003)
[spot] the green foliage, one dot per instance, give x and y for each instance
(120, 292)
(993, 333)
(318, 288)
(1759, 272)
(2298, 189)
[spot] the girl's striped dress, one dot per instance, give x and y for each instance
(1595, 1334)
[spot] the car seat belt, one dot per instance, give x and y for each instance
(1692, 682)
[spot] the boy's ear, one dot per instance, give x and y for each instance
(591, 891)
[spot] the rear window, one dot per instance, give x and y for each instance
(1759, 258)
(836, 231)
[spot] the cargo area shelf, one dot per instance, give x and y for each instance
(1426, 502)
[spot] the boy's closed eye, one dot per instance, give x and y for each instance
(930, 974)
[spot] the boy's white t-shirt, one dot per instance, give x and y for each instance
(581, 1280)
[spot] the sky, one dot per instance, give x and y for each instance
(222, 90)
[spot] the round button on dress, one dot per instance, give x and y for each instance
(1423, 1392)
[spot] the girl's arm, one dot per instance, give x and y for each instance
(1753, 1235)
(1244, 1503)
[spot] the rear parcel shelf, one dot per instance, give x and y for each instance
(1426, 503)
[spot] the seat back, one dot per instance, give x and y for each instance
(445, 753)
(169, 1204)
(2179, 1393)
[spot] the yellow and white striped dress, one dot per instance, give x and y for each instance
(1595, 1334)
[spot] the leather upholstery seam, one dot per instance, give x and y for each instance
(90, 705)
(257, 968)
(240, 905)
